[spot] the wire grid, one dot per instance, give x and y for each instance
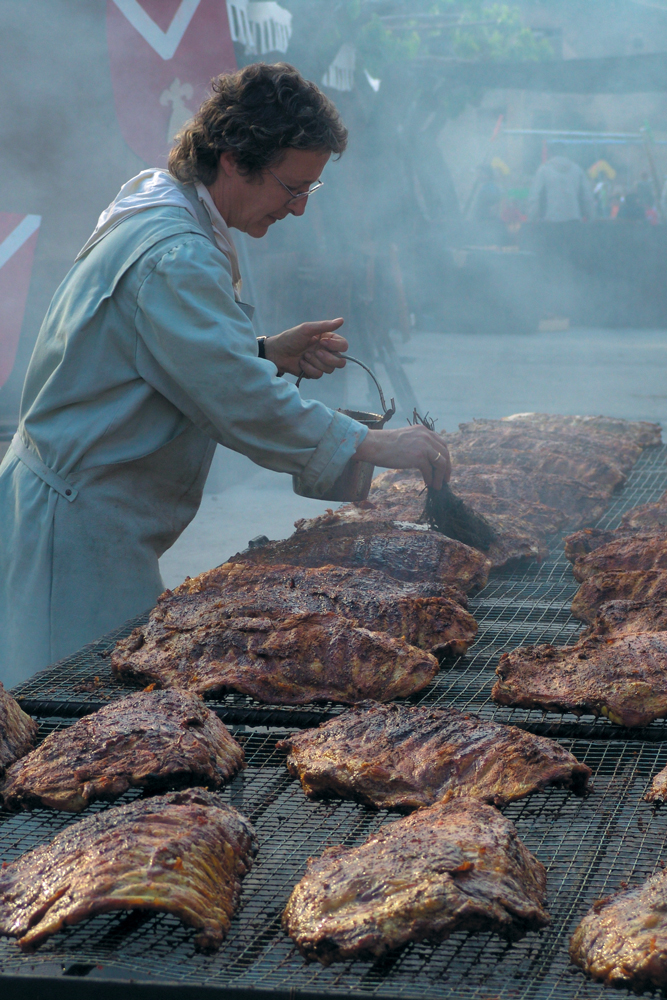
(589, 845)
(516, 608)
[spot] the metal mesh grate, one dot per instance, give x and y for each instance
(589, 846)
(516, 608)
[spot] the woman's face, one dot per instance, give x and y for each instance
(253, 204)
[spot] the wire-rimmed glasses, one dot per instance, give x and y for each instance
(301, 194)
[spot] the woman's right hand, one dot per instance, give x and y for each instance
(408, 448)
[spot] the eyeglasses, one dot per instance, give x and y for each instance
(302, 194)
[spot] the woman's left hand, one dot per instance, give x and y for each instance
(310, 349)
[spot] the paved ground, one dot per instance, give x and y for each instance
(455, 377)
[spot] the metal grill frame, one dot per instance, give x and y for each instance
(528, 606)
(589, 845)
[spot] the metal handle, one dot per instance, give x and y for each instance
(348, 357)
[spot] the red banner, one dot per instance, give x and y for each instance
(163, 54)
(18, 238)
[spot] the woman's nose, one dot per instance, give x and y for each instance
(298, 207)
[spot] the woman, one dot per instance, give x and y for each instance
(147, 358)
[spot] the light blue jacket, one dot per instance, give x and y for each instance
(144, 361)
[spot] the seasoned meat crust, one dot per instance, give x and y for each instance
(622, 677)
(17, 730)
(404, 757)
(622, 940)
(152, 739)
(634, 585)
(427, 615)
(640, 551)
(290, 661)
(183, 853)
(454, 866)
(405, 551)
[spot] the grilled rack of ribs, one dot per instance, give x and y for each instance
(622, 678)
(587, 540)
(638, 432)
(622, 940)
(454, 866)
(573, 459)
(183, 853)
(658, 789)
(293, 660)
(152, 739)
(635, 585)
(619, 617)
(427, 615)
(17, 730)
(404, 757)
(403, 550)
(638, 551)
(571, 501)
(519, 527)
(649, 517)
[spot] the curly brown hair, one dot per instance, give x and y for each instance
(257, 113)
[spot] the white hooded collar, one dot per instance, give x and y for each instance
(155, 188)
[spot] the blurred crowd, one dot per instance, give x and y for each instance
(562, 191)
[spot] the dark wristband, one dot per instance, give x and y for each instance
(261, 352)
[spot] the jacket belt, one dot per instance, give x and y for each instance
(46, 474)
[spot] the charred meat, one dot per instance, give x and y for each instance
(427, 615)
(404, 757)
(183, 853)
(635, 585)
(152, 739)
(454, 866)
(620, 617)
(587, 540)
(621, 677)
(573, 459)
(641, 551)
(622, 940)
(17, 730)
(404, 550)
(293, 660)
(648, 517)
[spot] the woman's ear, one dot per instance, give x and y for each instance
(227, 163)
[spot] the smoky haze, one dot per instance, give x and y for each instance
(421, 229)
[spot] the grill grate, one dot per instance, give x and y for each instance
(589, 846)
(516, 608)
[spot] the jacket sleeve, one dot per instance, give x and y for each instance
(196, 346)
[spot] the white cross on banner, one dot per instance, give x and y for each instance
(18, 238)
(163, 54)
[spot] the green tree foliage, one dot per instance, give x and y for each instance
(393, 33)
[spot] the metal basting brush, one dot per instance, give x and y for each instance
(448, 513)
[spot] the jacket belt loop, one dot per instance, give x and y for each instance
(46, 474)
